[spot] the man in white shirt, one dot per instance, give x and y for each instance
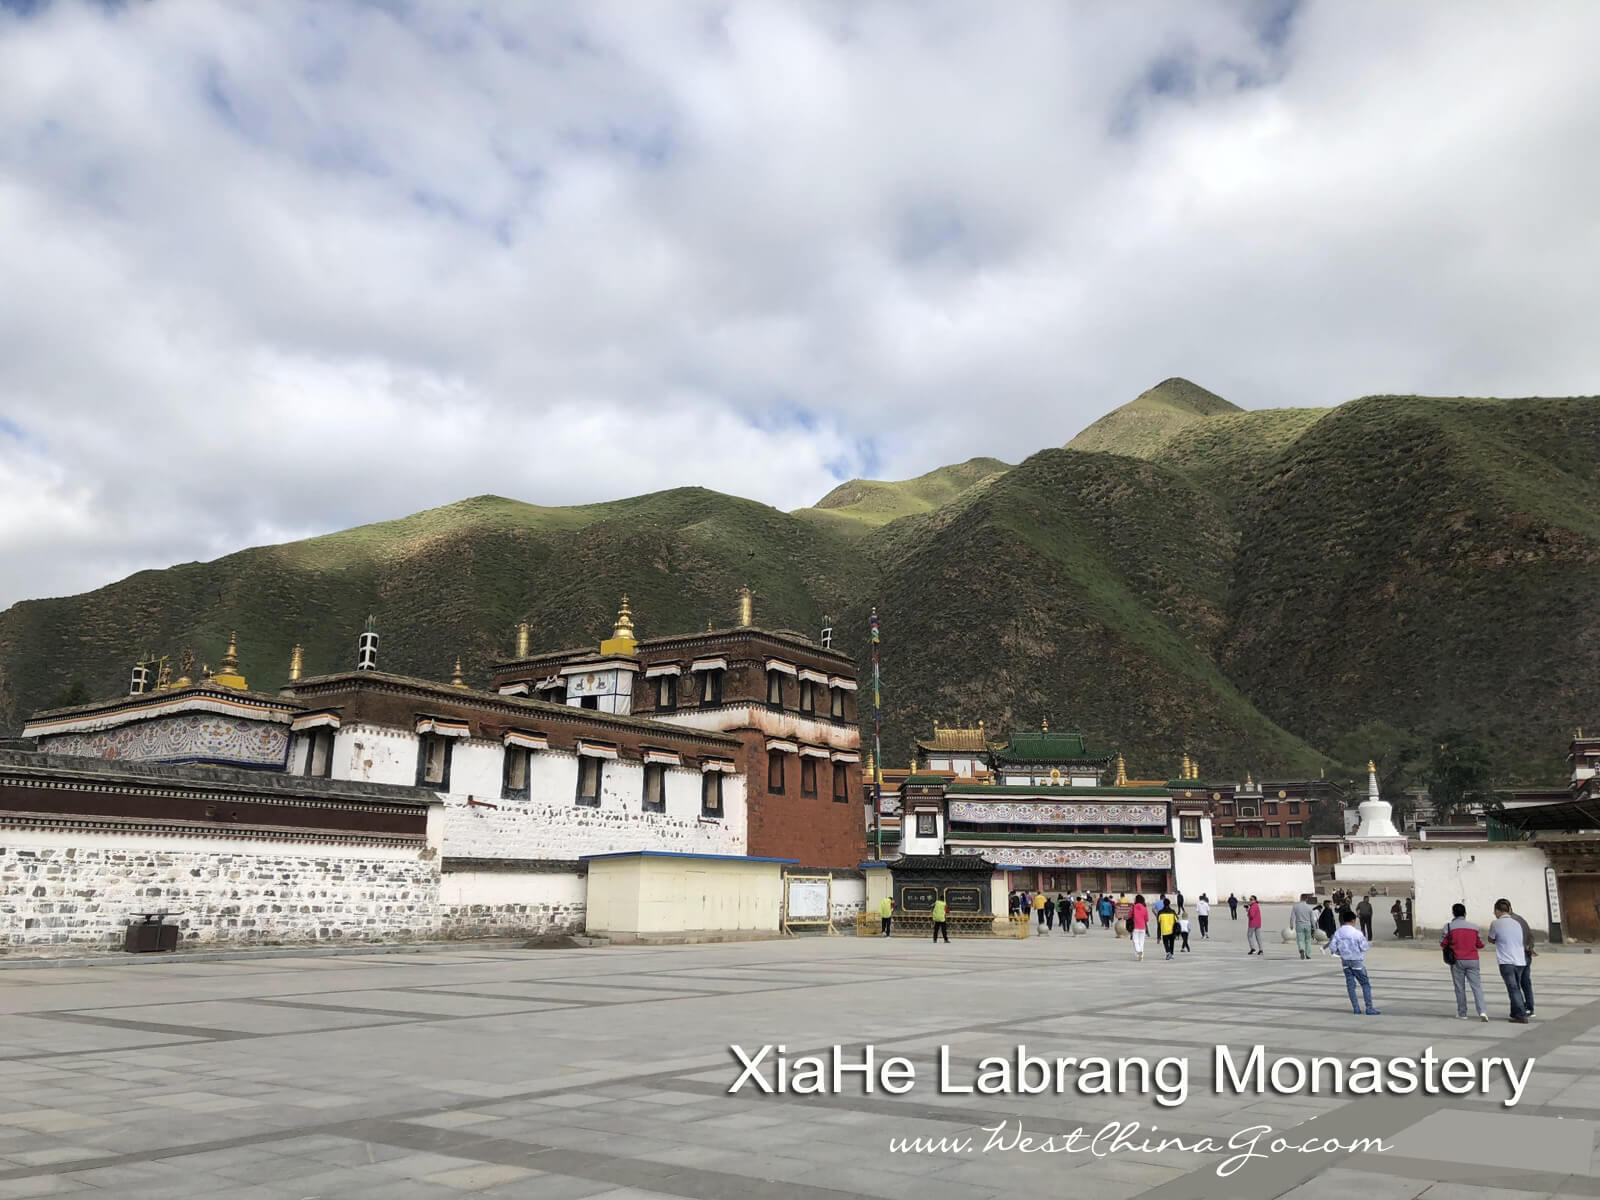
(1511, 954)
(1202, 909)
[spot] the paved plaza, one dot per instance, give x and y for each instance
(497, 1071)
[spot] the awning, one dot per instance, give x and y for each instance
(717, 764)
(321, 720)
(548, 683)
(780, 744)
(837, 681)
(663, 669)
(596, 749)
(813, 676)
(709, 664)
(777, 664)
(813, 752)
(514, 689)
(670, 758)
(441, 727)
(844, 756)
(527, 741)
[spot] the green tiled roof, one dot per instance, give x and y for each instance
(1037, 746)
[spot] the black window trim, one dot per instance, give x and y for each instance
(599, 777)
(507, 792)
(443, 784)
(660, 772)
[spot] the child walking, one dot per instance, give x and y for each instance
(1183, 932)
(1351, 947)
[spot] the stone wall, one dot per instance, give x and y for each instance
(507, 898)
(77, 891)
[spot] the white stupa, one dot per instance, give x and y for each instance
(1376, 850)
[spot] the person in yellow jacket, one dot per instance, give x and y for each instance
(1038, 908)
(1167, 927)
(886, 914)
(939, 925)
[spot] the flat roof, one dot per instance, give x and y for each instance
(793, 862)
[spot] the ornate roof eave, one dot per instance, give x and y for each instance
(690, 639)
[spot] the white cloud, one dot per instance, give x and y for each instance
(277, 269)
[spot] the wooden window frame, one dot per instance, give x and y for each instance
(711, 786)
(775, 771)
(424, 741)
(808, 768)
(598, 766)
(514, 755)
(658, 772)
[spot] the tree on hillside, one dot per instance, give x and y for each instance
(1459, 776)
(74, 694)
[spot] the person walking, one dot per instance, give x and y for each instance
(1305, 925)
(1364, 911)
(1167, 927)
(1138, 925)
(1202, 910)
(1233, 905)
(1080, 913)
(1183, 932)
(1329, 923)
(886, 914)
(1038, 910)
(1049, 914)
(1252, 932)
(939, 924)
(1461, 941)
(1511, 955)
(1351, 947)
(1108, 909)
(1177, 901)
(1528, 953)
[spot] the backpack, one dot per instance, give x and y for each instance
(1449, 950)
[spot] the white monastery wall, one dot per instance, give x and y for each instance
(76, 890)
(849, 899)
(503, 903)
(1477, 874)
(1194, 869)
(1273, 882)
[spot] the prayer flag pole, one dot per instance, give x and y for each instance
(877, 747)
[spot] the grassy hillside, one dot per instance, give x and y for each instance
(1254, 587)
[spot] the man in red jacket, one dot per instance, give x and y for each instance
(1461, 941)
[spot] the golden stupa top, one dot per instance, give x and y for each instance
(954, 738)
(621, 640)
(457, 679)
(229, 676)
(1122, 773)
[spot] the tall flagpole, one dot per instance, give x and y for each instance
(877, 747)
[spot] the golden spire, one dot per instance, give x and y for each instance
(621, 640)
(522, 639)
(866, 771)
(1248, 781)
(1372, 767)
(458, 680)
(747, 608)
(1122, 773)
(1580, 732)
(296, 664)
(1183, 771)
(229, 676)
(708, 624)
(936, 724)
(1194, 769)
(1044, 725)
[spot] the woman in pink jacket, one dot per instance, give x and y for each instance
(1252, 933)
(1141, 924)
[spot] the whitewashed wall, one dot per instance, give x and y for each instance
(502, 903)
(1194, 866)
(76, 891)
(1477, 874)
(849, 899)
(1273, 882)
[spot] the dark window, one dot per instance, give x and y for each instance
(836, 703)
(666, 691)
(1296, 829)
(808, 696)
(319, 752)
(1189, 829)
(808, 776)
(1274, 831)
(775, 770)
(1272, 808)
(1253, 831)
(655, 787)
(589, 780)
(433, 762)
(927, 825)
(556, 695)
(775, 688)
(841, 784)
(1227, 808)
(1294, 808)
(711, 794)
(588, 701)
(514, 776)
(710, 687)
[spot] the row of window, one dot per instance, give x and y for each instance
(708, 687)
(1249, 810)
(777, 689)
(1294, 829)
(778, 775)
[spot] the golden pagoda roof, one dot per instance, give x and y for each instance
(949, 737)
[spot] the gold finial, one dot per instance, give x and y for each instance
(1044, 725)
(1122, 773)
(1248, 780)
(164, 675)
(866, 771)
(747, 608)
(1194, 769)
(296, 663)
(229, 676)
(1372, 767)
(1580, 732)
(458, 680)
(522, 639)
(621, 640)
(708, 624)
(936, 724)
(1183, 771)
(1322, 772)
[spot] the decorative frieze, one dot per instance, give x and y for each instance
(1110, 858)
(1052, 812)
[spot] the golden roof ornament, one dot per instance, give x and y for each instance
(1372, 767)
(1122, 773)
(1044, 725)
(1183, 770)
(747, 608)
(229, 676)
(621, 640)
(296, 662)
(523, 639)
(457, 679)
(185, 665)
(1249, 781)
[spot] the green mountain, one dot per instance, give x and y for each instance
(1254, 587)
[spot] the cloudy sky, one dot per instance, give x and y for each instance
(268, 270)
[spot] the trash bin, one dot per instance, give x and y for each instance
(148, 933)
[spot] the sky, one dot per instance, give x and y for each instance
(272, 270)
